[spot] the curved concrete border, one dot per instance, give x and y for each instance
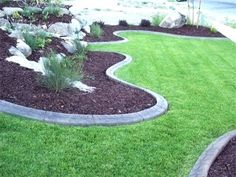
(158, 109)
(207, 158)
(123, 39)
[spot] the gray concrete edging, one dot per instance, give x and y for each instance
(207, 158)
(158, 109)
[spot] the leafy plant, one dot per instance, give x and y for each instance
(156, 20)
(37, 40)
(16, 15)
(123, 23)
(213, 30)
(145, 23)
(100, 23)
(59, 73)
(96, 31)
(30, 11)
(4, 1)
(52, 10)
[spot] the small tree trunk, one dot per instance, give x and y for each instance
(188, 16)
(199, 12)
(193, 13)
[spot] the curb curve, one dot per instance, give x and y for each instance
(158, 109)
(206, 159)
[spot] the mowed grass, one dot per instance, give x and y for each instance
(198, 79)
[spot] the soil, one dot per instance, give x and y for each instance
(19, 85)
(187, 30)
(225, 163)
(38, 19)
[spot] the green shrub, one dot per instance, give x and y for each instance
(123, 23)
(16, 16)
(37, 40)
(156, 20)
(52, 9)
(96, 30)
(213, 30)
(59, 73)
(4, 1)
(30, 12)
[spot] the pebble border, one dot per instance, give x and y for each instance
(203, 164)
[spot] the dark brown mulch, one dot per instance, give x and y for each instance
(187, 30)
(225, 163)
(39, 19)
(19, 85)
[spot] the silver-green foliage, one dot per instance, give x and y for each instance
(59, 73)
(156, 20)
(37, 40)
(52, 9)
(96, 30)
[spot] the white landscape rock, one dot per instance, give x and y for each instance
(64, 11)
(2, 14)
(61, 29)
(75, 25)
(11, 10)
(23, 47)
(173, 20)
(16, 34)
(82, 86)
(87, 28)
(14, 51)
(4, 24)
(69, 45)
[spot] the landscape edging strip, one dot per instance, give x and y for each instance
(158, 109)
(206, 159)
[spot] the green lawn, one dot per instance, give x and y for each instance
(198, 79)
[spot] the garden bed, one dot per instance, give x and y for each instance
(225, 163)
(187, 30)
(20, 86)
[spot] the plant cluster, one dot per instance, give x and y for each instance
(156, 20)
(145, 23)
(37, 40)
(96, 30)
(52, 9)
(4, 1)
(59, 72)
(100, 23)
(123, 23)
(29, 12)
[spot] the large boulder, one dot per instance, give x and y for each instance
(173, 20)
(75, 26)
(61, 29)
(11, 10)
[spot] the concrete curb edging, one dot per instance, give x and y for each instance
(158, 109)
(124, 40)
(207, 158)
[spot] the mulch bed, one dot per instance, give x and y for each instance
(39, 19)
(19, 85)
(225, 163)
(187, 30)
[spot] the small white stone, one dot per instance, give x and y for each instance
(87, 28)
(61, 29)
(70, 46)
(23, 48)
(2, 14)
(14, 51)
(4, 24)
(11, 10)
